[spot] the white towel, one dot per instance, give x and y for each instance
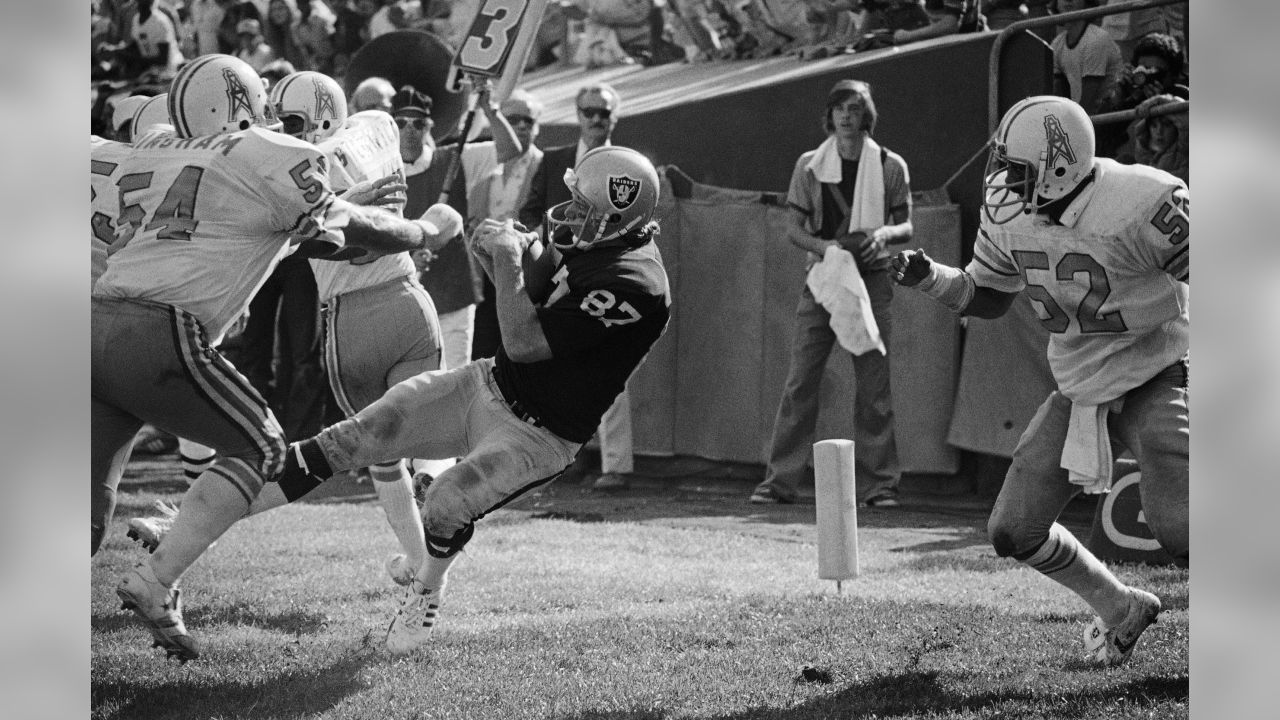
(837, 285)
(1086, 454)
(867, 211)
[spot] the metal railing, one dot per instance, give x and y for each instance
(993, 63)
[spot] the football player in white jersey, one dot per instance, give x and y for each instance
(1101, 250)
(380, 325)
(204, 216)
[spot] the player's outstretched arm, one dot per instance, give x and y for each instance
(949, 286)
(377, 230)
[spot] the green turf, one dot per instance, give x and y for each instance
(644, 607)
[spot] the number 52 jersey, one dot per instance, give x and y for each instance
(1109, 282)
(203, 221)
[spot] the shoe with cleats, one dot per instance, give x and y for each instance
(160, 609)
(415, 620)
(149, 531)
(1112, 646)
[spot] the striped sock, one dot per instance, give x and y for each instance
(196, 458)
(1063, 559)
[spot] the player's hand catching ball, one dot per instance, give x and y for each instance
(910, 267)
(500, 239)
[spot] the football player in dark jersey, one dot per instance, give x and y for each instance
(577, 317)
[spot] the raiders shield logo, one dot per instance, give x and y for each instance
(623, 191)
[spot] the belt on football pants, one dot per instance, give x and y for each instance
(520, 412)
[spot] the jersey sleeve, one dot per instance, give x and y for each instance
(993, 266)
(897, 186)
(593, 312)
(1164, 234)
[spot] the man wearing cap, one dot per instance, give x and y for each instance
(849, 196)
(598, 106)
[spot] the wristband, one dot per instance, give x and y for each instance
(949, 286)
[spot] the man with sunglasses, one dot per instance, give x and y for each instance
(598, 107)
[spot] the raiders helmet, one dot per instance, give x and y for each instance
(615, 191)
(1041, 151)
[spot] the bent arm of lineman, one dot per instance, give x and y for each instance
(375, 230)
(511, 250)
(945, 284)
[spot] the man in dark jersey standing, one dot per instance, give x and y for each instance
(577, 317)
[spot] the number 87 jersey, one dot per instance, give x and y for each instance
(203, 221)
(1109, 281)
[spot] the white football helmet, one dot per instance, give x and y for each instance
(615, 191)
(1042, 150)
(153, 111)
(123, 110)
(218, 94)
(310, 105)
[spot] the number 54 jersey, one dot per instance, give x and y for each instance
(1109, 281)
(203, 221)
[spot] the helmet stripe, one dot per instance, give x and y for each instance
(179, 91)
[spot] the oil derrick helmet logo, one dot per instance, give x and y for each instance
(1057, 143)
(623, 191)
(237, 96)
(324, 103)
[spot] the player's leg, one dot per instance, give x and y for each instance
(196, 458)
(172, 377)
(797, 416)
(1155, 425)
(112, 432)
(1023, 523)
(510, 458)
(876, 468)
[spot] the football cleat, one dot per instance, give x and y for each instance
(415, 620)
(1112, 646)
(150, 531)
(160, 609)
(399, 569)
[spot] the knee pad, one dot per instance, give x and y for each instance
(447, 547)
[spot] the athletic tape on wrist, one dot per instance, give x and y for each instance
(950, 286)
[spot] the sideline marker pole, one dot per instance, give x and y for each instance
(837, 510)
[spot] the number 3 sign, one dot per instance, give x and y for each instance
(502, 29)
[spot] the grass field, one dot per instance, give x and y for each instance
(673, 599)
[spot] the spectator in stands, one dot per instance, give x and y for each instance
(374, 93)
(350, 30)
(1161, 142)
(598, 106)
(1001, 14)
(280, 31)
(206, 16)
(1127, 28)
(693, 29)
(233, 11)
(886, 18)
(1086, 60)
(152, 43)
(1156, 68)
(615, 32)
(946, 17)
(853, 195)
(253, 49)
(315, 36)
(832, 25)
